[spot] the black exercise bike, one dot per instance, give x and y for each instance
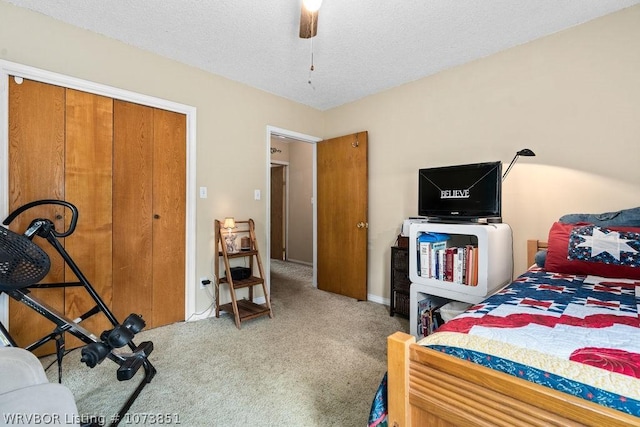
(23, 264)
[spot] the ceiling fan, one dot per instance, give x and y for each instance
(309, 18)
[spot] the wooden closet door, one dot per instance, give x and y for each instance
(149, 217)
(120, 163)
(88, 176)
(132, 210)
(169, 212)
(36, 171)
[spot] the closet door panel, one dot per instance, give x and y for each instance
(122, 164)
(169, 201)
(132, 210)
(88, 176)
(36, 171)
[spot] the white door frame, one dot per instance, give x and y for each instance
(8, 68)
(272, 130)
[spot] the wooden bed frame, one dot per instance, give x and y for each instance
(428, 388)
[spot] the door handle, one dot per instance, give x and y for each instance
(362, 224)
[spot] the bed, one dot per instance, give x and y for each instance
(427, 386)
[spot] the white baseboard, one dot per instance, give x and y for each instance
(379, 300)
(206, 315)
(310, 264)
(211, 313)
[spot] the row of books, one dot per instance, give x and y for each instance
(452, 264)
(429, 318)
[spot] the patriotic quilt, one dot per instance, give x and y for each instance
(579, 334)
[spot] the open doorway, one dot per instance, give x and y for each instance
(291, 210)
(279, 205)
(336, 161)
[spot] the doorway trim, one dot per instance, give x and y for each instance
(8, 68)
(273, 130)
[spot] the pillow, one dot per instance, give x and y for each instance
(590, 249)
(540, 258)
(623, 218)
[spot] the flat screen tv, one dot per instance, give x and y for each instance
(471, 192)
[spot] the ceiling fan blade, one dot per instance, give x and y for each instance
(308, 23)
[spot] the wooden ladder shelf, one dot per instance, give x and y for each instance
(242, 309)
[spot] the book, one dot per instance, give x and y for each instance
(424, 306)
(437, 247)
(472, 268)
(468, 265)
(458, 266)
(427, 243)
(474, 281)
(450, 255)
(434, 263)
(425, 259)
(428, 316)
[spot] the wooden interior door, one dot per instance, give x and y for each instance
(36, 171)
(342, 181)
(278, 212)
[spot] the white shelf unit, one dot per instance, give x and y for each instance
(495, 263)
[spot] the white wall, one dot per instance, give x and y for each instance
(573, 98)
(300, 239)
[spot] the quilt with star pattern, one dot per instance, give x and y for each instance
(579, 334)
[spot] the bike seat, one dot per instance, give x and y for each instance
(22, 262)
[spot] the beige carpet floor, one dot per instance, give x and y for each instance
(318, 362)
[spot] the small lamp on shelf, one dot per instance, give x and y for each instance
(230, 238)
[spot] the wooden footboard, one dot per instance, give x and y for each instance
(429, 388)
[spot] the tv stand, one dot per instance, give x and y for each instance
(493, 242)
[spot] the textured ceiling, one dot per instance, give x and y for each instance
(362, 46)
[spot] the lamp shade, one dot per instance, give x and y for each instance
(526, 152)
(229, 223)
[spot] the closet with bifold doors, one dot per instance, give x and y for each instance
(123, 165)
